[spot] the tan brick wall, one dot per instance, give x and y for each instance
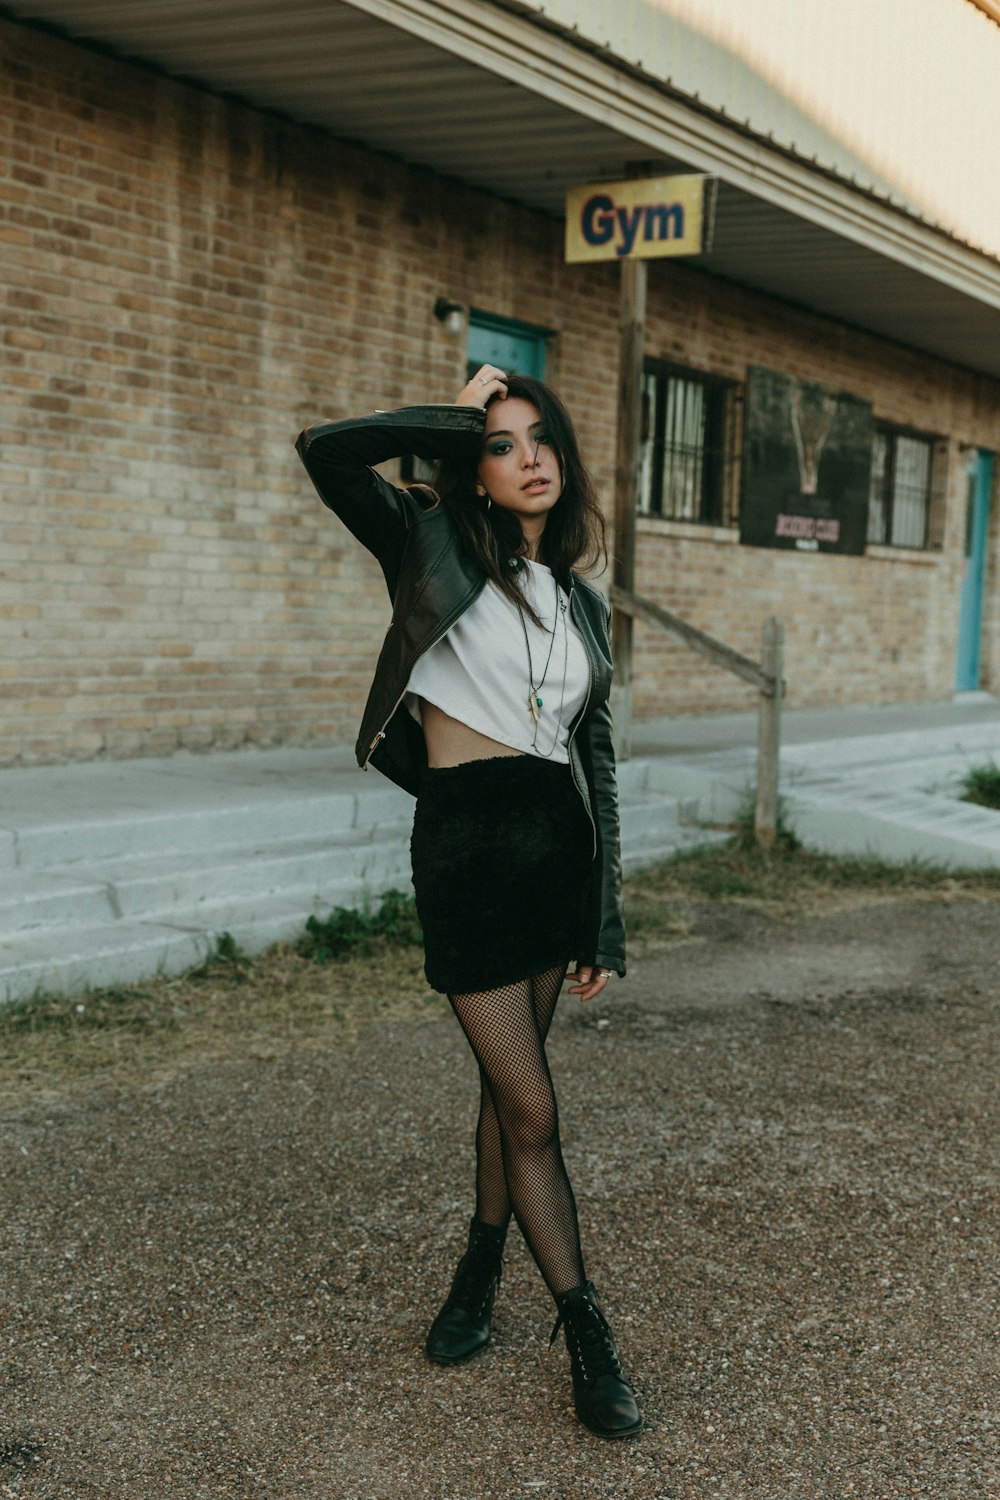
(186, 282)
(991, 587)
(874, 629)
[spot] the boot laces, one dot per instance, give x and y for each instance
(589, 1339)
(474, 1278)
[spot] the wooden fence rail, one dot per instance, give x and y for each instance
(766, 676)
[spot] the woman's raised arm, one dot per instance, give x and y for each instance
(338, 457)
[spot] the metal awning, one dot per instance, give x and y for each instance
(482, 92)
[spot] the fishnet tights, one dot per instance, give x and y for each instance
(519, 1162)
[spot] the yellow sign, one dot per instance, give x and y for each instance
(640, 220)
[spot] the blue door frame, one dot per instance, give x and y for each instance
(505, 343)
(977, 520)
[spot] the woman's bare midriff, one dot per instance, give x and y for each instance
(450, 743)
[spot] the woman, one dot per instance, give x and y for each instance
(490, 704)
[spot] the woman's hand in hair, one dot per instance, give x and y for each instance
(591, 980)
(487, 382)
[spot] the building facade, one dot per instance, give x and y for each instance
(190, 275)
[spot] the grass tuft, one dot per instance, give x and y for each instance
(981, 784)
(227, 954)
(347, 933)
(745, 832)
(137, 1008)
(795, 878)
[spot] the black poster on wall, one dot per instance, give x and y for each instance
(806, 465)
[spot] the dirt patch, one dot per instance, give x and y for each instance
(284, 999)
(225, 1246)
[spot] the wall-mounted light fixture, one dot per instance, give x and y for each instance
(451, 314)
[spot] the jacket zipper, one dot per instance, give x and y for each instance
(381, 734)
(584, 795)
(443, 629)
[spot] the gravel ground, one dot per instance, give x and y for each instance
(783, 1139)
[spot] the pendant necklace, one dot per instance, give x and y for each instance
(535, 693)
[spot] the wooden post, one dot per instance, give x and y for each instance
(631, 330)
(769, 735)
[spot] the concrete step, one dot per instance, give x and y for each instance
(905, 826)
(164, 875)
(367, 864)
(150, 885)
(895, 812)
(109, 835)
(970, 743)
(94, 896)
(686, 839)
(72, 958)
(654, 828)
(51, 898)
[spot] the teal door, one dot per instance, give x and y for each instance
(977, 518)
(505, 343)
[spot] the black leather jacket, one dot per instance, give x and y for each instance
(431, 581)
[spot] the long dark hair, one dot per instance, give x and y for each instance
(574, 537)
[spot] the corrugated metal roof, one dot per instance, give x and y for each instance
(475, 91)
(900, 95)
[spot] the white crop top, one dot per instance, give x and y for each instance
(478, 672)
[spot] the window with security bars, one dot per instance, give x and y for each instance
(901, 487)
(684, 470)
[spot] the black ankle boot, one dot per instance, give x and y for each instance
(604, 1400)
(462, 1327)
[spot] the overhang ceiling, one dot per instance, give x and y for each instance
(478, 91)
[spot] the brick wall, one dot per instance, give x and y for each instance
(873, 629)
(186, 283)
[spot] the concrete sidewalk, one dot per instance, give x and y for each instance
(699, 734)
(854, 780)
(112, 871)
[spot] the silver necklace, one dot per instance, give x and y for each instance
(535, 690)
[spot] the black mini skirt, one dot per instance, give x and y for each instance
(502, 853)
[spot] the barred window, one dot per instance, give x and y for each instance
(683, 461)
(899, 497)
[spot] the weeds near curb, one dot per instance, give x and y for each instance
(227, 954)
(358, 967)
(745, 832)
(347, 933)
(794, 877)
(981, 784)
(137, 1008)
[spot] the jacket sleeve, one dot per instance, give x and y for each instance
(604, 918)
(338, 457)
